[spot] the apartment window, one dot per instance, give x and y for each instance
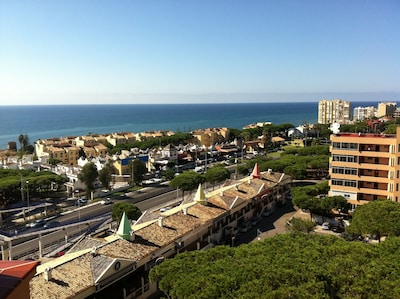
(397, 187)
(347, 183)
(345, 145)
(345, 158)
(344, 170)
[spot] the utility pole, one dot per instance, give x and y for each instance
(27, 193)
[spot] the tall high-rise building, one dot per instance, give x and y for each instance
(361, 113)
(330, 111)
(386, 109)
(365, 167)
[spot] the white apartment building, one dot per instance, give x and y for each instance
(361, 113)
(330, 111)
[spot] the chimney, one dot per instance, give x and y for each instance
(47, 274)
(185, 211)
(94, 251)
(132, 235)
(160, 221)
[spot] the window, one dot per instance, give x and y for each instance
(344, 170)
(345, 145)
(347, 183)
(345, 158)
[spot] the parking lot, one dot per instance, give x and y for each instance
(276, 224)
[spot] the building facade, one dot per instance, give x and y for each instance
(117, 265)
(330, 111)
(361, 113)
(386, 109)
(365, 167)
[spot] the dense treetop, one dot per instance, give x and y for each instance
(292, 265)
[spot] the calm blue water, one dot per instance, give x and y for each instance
(40, 122)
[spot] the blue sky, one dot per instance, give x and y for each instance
(76, 52)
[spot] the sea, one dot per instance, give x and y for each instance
(42, 122)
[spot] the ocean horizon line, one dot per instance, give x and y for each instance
(177, 104)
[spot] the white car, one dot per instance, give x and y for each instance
(326, 226)
(106, 201)
(162, 210)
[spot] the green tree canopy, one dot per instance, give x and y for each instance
(88, 176)
(105, 174)
(301, 225)
(379, 218)
(217, 174)
(187, 181)
(41, 184)
(292, 265)
(314, 199)
(131, 211)
(169, 174)
(138, 170)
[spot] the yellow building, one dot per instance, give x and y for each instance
(386, 108)
(87, 140)
(365, 167)
(71, 155)
(210, 136)
(117, 138)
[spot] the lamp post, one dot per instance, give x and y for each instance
(27, 193)
(236, 165)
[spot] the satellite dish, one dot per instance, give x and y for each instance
(335, 128)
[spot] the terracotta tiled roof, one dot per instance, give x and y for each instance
(205, 213)
(12, 273)
(67, 280)
(87, 243)
(17, 269)
(120, 248)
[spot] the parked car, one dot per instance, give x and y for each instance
(106, 201)
(165, 209)
(51, 224)
(245, 227)
(38, 223)
(255, 221)
(266, 212)
(326, 226)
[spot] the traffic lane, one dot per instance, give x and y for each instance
(148, 192)
(159, 201)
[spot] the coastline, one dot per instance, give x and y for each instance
(43, 122)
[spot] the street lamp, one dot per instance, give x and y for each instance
(236, 165)
(27, 192)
